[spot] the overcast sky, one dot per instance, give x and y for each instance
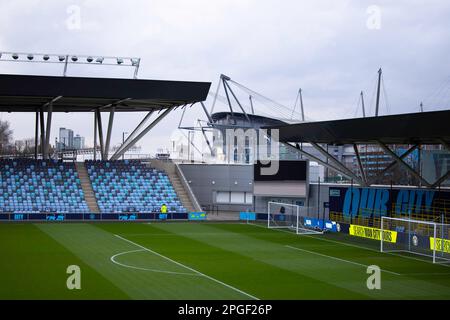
(331, 49)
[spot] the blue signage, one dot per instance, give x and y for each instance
(320, 224)
(54, 217)
(18, 216)
(162, 216)
(197, 216)
(127, 217)
(248, 216)
(369, 202)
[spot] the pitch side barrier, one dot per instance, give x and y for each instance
(397, 237)
(151, 216)
(309, 222)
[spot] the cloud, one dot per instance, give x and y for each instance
(273, 47)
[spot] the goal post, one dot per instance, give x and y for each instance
(288, 216)
(425, 238)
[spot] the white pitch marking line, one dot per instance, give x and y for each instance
(342, 260)
(189, 268)
(113, 260)
(351, 245)
(427, 274)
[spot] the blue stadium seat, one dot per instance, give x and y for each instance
(39, 186)
(131, 186)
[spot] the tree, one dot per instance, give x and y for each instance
(5, 136)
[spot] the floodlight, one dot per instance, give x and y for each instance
(89, 59)
(30, 57)
(119, 60)
(46, 57)
(61, 58)
(99, 59)
(134, 62)
(74, 58)
(15, 56)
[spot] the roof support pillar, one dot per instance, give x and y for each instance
(133, 134)
(100, 133)
(47, 131)
(206, 138)
(206, 112)
(251, 103)
(41, 117)
(36, 135)
(143, 133)
(394, 163)
(108, 134)
(441, 179)
(340, 166)
(361, 168)
(403, 163)
(95, 136)
(237, 101)
(228, 96)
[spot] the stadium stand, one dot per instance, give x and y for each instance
(38, 186)
(131, 186)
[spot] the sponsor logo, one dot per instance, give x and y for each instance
(372, 233)
(197, 216)
(442, 245)
(18, 217)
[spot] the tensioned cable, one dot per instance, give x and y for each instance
(276, 104)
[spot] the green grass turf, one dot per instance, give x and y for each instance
(203, 261)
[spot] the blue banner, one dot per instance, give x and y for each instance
(94, 216)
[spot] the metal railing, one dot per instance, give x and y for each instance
(188, 188)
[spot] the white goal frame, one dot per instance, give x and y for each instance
(297, 225)
(438, 256)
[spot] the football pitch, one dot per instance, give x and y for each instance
(181, 260)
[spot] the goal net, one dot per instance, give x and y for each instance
(424, 238)
(288, 216)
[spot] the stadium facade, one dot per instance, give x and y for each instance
(233, 185)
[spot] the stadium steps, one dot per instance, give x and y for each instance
(87, 187)
(169, 168)
(181, 192)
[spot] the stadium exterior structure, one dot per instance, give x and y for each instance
(232, 186)
(338, 146)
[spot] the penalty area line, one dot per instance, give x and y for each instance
(350, 245)
(188, 268)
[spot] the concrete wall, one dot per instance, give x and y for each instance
(240, 178)
(317, 196)
(206, 180)
(314, 201)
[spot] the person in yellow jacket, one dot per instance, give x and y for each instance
(164, 208)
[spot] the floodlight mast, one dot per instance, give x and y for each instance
(66, 59)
